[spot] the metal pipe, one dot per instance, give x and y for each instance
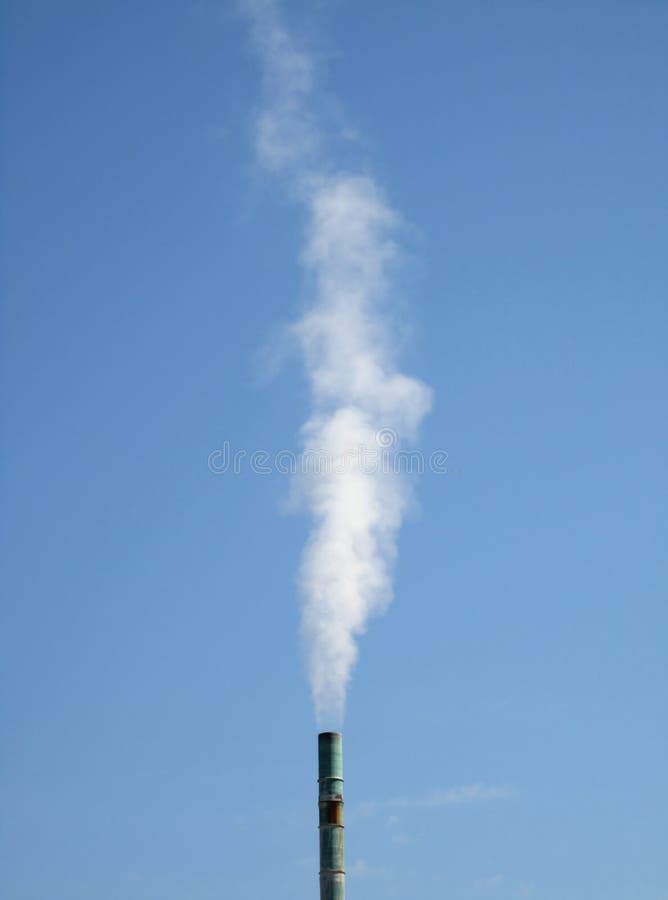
(330, 804)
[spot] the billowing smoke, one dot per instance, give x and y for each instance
(363, 408)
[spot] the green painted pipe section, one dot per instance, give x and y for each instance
(331, 848)
(330, 802)
(333, 888)
(330, 755)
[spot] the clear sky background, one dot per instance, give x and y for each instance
(506, 731)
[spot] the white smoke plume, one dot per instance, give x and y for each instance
(359, 398)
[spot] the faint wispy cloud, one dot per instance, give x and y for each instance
(398, 836)
(490, 883)
(454, 796)
(403, 839)
(361, 869)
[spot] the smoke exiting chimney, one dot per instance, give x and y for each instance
(330, 803)
(363, 408)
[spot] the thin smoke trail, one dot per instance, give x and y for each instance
(348, 347)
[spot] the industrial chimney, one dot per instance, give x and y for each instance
(330, 803)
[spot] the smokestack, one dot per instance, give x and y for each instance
(330, 804)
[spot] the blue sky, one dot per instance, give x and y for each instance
(505, 732)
